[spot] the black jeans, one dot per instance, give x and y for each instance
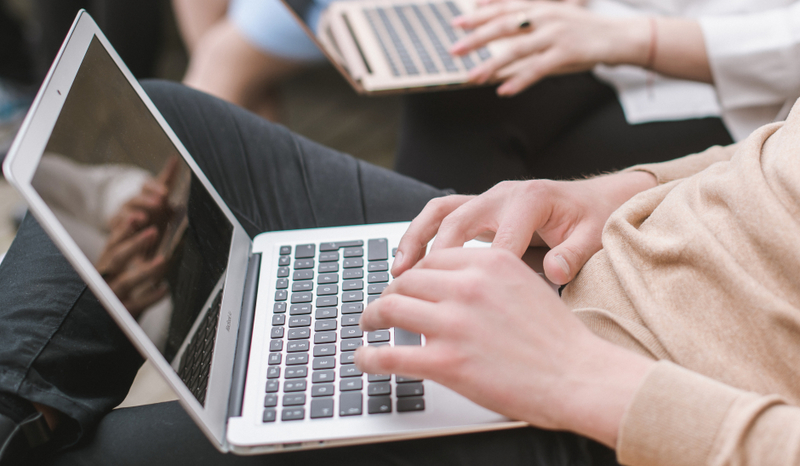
(61, 349)
(562, 127)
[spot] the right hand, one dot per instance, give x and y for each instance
(567, 216)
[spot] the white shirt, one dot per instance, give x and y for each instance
(754, 52)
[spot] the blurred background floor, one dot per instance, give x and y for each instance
(319, 104)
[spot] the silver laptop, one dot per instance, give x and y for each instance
(385, 46)
(256, 337)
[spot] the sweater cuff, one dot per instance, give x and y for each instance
(674, 418)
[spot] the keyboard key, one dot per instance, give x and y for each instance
(281, 295)
(379, 404)
(378, 336)
(373, 298)
(299, 321)
(372, 289)
(378, 277)
(322, 376)
(282, 283)
(381, 266)
(285, 250)
(324, 350)
(352, 308)
(304, 264)
(352, 285)
(304, 297)
(351, 332)
(379, 388)
(350, 274)
(274, 359)
(304, 251)
(283, 261)
(324, 301)
(324, 337)
(269, 415)
(350, 404)
(299, 309)
(270, 400)
(350, 320)
(325, 325)
(410, 389)
(410, 404)
(351, 344)
(303, 275)
(347, 358)
(328, 362)
(347, 385)
(378, 250)
(349, 371)
(293, 414)
(296, 358)
(279, 307)
(297, 346)
(279, 319)
(321, 407)
(351, 296)
(378, 378)
(273, 372)
(326, 267)
(294, 399)
(353, 262)
(323, 290)
(298, 333)
(283, 272)
(326, 313)
(406, 338)
(404, 379)
(323, 389)
(340, 244)
(305, 285)
(353, 252)
(272, 386)
(328, 278)
(294, 386)
(276, 345)
(296, 372)
(329, 257)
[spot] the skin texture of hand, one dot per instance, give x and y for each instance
(497, 333)
(567, 216)
(563, 38)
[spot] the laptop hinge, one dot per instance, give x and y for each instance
(245, 334)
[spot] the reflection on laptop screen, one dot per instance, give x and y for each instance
(126, 196)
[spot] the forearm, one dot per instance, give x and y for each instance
(669, 46)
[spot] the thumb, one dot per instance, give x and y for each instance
(563, 261)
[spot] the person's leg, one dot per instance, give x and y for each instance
(196, 18)
(563, 127)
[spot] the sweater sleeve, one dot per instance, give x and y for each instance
(679, 417)
(686, 166)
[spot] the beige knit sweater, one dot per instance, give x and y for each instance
(703, 274)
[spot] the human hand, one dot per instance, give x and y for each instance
(567, 216)
(496, 333)
(562, 37)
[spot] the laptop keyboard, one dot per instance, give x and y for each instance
(320, 294)
(414, 38)
(195, 364)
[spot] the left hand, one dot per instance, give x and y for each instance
(562, 38)
(498, 334)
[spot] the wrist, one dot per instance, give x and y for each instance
(631, 41)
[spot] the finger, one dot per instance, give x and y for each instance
(517, 227)
(488, 13)
(124, 226)
(468, 221)
(150, 271)
(516, 56)
(424, 283)
(503, 26)
(117, 257)
(414, 242)
(411, 361)
(528, 73)
(170, 170)
(396, 310)
(564, 260)
(145, 298)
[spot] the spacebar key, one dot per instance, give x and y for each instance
(406, 338)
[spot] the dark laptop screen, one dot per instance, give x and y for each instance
(123, 192)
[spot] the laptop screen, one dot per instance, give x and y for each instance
(135, 208)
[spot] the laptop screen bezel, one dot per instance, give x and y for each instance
(19, 168)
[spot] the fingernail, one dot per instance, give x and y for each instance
(398, 259)
(563, 264)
